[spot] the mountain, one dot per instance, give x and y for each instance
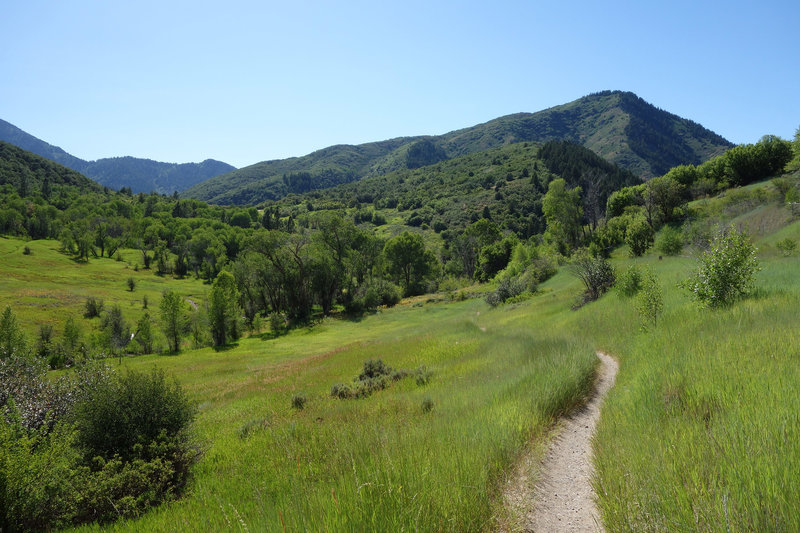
(506, 182)
(141, 175)
(618, 126)
(28, 172)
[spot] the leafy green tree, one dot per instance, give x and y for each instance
(224, 312)
(639, 236)
(173, 318)
(670, 242)
(794, 164)
(144, 333)
(562, 211)
(409, 261)
(649, 301)
(662, 197)
(115, 329)
(12, 339)
(725, 272)
(596, 274)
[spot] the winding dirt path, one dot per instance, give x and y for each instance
(562, 498)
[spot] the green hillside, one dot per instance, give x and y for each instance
(509, 181)
(28, 172)
(618, 126)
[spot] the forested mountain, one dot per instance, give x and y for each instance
(141, 175)
(618, 126)
(29, 173)
(505, 184)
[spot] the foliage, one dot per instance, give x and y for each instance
(630, 282)
(115, 330)
(173, 318)
(787, 246)
(94, 307)
(224, 312)
(649, 301)
(670, 241)
(136, 415)
(639, 236)
(563, 211)
(507, 288)
(12, 339)
(299, 401)
(409, 261)
(596, 274)
(725, 272)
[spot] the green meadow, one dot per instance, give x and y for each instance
(700, 433)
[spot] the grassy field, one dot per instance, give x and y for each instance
(47, 286)
(700, 433)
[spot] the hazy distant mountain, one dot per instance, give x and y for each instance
(141, 175)
(618, 126)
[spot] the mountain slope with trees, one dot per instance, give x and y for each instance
(140, 175)
(618, 126)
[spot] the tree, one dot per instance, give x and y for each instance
(115, 329)
(408, 260)
(12, 339)
(562, 211)
(649, 301)
(725, 272)
(662, 196)
(639, 236)
(173, 318)
(596, 274)
(224, 312)
(144, 333)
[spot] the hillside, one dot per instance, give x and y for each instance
(28, 172)
(508, 181)
(141, 175)
(618, 126)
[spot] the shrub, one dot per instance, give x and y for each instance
(629, 282)
(93, 307)
(787, 246)
(507, 288)
(649, 302)
(299, 401)
(26, 250)
(427, 405)
(130, 414)
(639, 236)
(131, 284)
(596, 273)
(670, 242)
(725, 272)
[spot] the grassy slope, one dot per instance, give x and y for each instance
(700, 432)
(377, 464)
(47, 286)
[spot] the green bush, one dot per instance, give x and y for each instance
(93, 307)
(639, 236)
(787, 246)
(670, 241)
(596, 274)
(649, 301)
(629, 282)
(299, 401)
(725, 272)
(131, 413)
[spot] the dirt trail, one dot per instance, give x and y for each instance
(562, 498)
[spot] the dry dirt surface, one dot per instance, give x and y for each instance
(561, 499)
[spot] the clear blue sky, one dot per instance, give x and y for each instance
(244, 82)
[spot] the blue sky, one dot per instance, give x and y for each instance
(244, 82)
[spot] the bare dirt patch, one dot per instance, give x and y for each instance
(556, 495)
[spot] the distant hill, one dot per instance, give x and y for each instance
(618, 126)
(141, 175)
(28, 172)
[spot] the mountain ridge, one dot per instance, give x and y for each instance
(617, 125)
(141, 175)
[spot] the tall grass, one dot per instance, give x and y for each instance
(383, 463)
